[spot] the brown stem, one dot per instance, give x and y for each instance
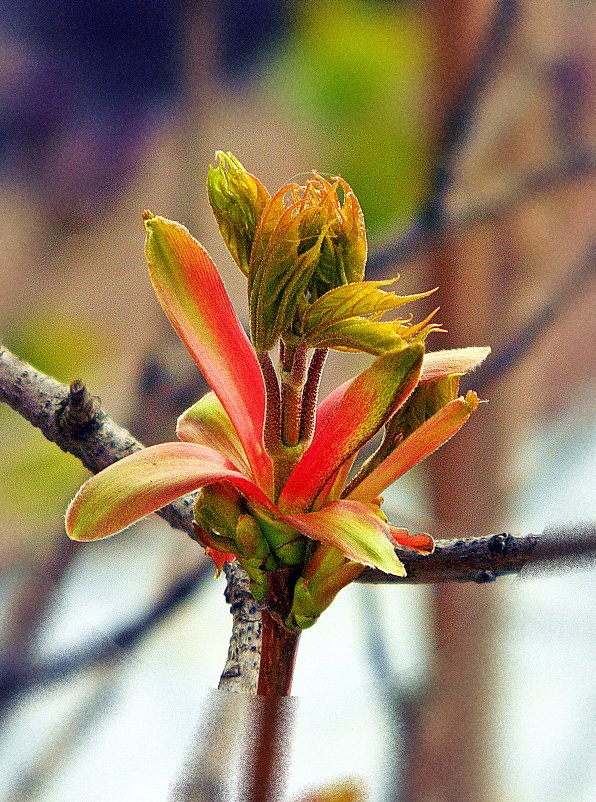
(269, 740)
(272, 428)
(278, 644)
(310, 394)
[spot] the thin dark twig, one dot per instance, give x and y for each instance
(479, 560)
(483, 559)
(419, 239)
(515, 348)
(432, 217)
(18, 679)
(460, 560)
(464, 108)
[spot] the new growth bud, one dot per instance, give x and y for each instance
(237, 199)
(310, 239)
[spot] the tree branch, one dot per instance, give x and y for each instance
(479, 560)
(422, 237)
(73, 420)
(16, 679)
(522, 340)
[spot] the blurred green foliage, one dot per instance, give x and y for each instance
(356, 71)
(37, 479)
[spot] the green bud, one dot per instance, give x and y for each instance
(309, 240)
(218, 508)
(427, 399)
(325, 574)
(287, 545)
(237, 199)
(254, 555)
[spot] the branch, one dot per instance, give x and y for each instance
(479, 560)
(432, 222)
(48, 405)
(519, 344)
(466, 103)
(483, 559)
(75, 421)
(19, 678)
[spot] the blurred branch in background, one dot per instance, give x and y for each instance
(427, 231)
(17, 679)
(479, 560)
(431, 220)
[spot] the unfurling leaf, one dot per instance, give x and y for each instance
(349, 318)
(308, 241)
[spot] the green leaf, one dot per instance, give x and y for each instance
(357, 299)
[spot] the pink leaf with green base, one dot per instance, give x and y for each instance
(194, 298)
(436, 365)
(356, 530)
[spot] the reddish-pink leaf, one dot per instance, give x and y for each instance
(194, 298)
(421, 542)
(369, 401)
(423, 441)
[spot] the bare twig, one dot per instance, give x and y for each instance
(464, 108)
(16, 679)
(432, 219)
(422, 237)
(483, 559)
(479, 560)
(46, 403)
(42, 400)
(520, 343)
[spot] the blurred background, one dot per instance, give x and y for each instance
(467, 130)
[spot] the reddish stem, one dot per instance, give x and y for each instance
(278, 657)
(310, 394)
